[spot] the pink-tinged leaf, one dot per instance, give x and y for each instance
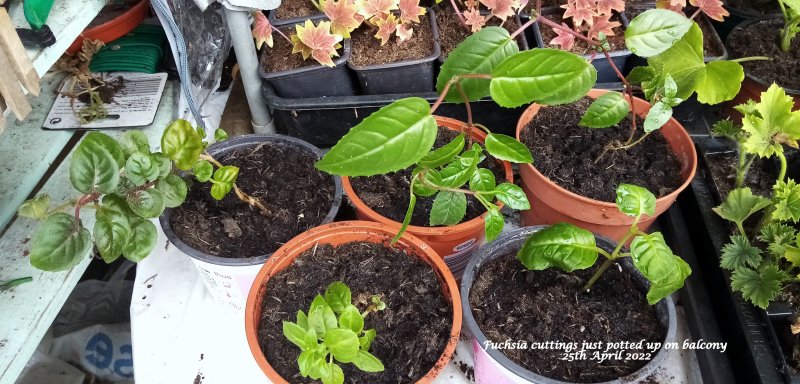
(712, 8)
(316, 41)
(471, 4)
(410, 11)
(502, 9)
(474, 20)
(673, 5)
(386, 25)
(581, 12)
(343, 15)
(376, 8)
(564, 39)
(605, 7)
(262, 30)
(602, 24)
(404, 32)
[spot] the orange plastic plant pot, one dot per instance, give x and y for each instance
(550, 203)
(752, 90)
(455, 242)
(341, 233)
(113, 29)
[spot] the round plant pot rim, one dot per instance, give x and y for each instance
(229, 145)
(419, 230)
(425, 253)
(742, 26)
(484, 253)
(113, 22)
(747, 14)
(612, 205)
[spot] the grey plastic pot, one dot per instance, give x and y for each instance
(493, 367)
(228, 280)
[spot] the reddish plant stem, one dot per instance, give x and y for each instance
(464, 97)
(629, 90)
(460, 15)
(85, 199)
(452, 81)
(522, 28)
(282, 34)
(554, 25)
(695, 14)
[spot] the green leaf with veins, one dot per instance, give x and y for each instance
(366, 362)
(393, 138)
(455, 174)
(786, 196)
(134, 141)
(759, 286)
(96, 164)
(59, 243)
(142, 168)
(366, 340)
(220, 135)
(111, 231)
(634, 200)
(448, 208)
(174, 190)
(431, 177)
(507, 148)
(741, 204)
(726, 128)
(740, 253)
(35, 208)
(513, 196)
(142, 241)
(562, 245)
(658, 115)
(542, 75)
(182, 144)
(302, 320)
(477, 54)
(338, 296)
(641, 74)
(721, 83)
(350, 318)
(298, 336)
(493, 223)
(332, 374)
(654, 259)
(774, 125)
(684, 62)
(654, 31)
(223, 181)
(606, 111)
(443, 155)
(482, 180)
(777, 236)
(321, 317)
(147, 203)
(164, 164)
(203, 170)
(343, 344)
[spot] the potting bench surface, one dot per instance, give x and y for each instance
(28, 155)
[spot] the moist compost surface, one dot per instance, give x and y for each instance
(279, 57)
(389, 194)
(452, 32)
(581, 47)
(565, 153)
(760, 177)
(283, 177)
(755, 6)
(512, 303)
(111, 10)
(295, 8)
(790, 343)
(367, 50)
(412, 331)
(762, 39)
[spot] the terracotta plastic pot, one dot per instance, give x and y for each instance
(550, 203)
(454, 243)
(341, 233)
(113, 29)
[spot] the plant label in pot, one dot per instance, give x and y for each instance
(583, 322)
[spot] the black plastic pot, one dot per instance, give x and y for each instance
(605, 72)
(295, 20)
(511, 242)
(408, 76)
(736, 17)
(522, 41)
(311, 81)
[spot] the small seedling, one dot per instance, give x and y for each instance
(333, 330)
(570, 248)
(791, 22)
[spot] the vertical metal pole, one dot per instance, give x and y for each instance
(239, 27)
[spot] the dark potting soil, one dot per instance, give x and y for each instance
(283, 177)
(279, 57)
(389, 194)
(367, 49)
(412, 331)
(581, 47)
(760, 177)
(762, 39)
(763, 7)
(565, 153)
(107, 90)
(295, 8)
(111, 10)
(790, 343)
(511, 303)
(452, 32)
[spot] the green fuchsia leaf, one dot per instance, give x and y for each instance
(262, 30)
(444, 154)
(606, 111)
(493, 223)
(316, 41)
(448, 208)
(654, 259)
(654, 31)
(507, 148)
(562, 245)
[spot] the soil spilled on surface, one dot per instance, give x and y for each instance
(290, 9)
(411, 332)
(107, 90)
(279, 57)
(367, 50)
(763, 39)
(452, 32)
(581, 47)
(283, 177)
(389, 194)
(565, 153)
(511, 303)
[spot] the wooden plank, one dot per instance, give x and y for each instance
(27, 150)
(20, 62)
(11, 91)
(68, 18)
(29, 309)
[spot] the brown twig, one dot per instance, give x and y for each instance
(469, 114)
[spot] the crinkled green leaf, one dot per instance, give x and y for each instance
(654, 259)
(787, 201)
(482, 180)
(477, 54)
(142, 168)
(774, 124)
(142, 241)
(35, 208)
(111, 231)
(513, 196)
(321, 317)
(134, 141)
(338, 296)
(739, 253)
(366, 362)
(182, 144)
(654, 31)
(393, 138)
(59, 243)
(634, 200)
(343, 344)
(683, 61)
(543, 75)
(203, 170)
(740, 204)
(606, 111)
(431, 177)
(174, 190)
(457, 173)
(220, 135)
(448, 208)
(147, 203)
(445, 154)
(760, 286)
(223, 180)
(722, 82)
(562, 245)
(351, 319)
(96, 164)
(164, 165)
(493, 224)
(507, 148)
